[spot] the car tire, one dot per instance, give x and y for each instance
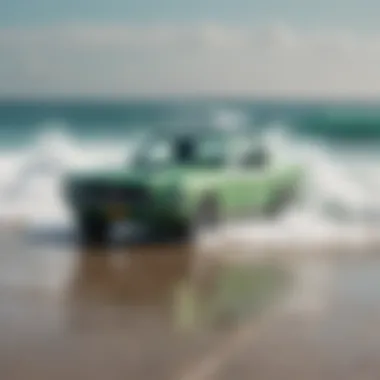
(166, 231)
(93, 232)
(185, 231)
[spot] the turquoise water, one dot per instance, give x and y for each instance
(21, 121)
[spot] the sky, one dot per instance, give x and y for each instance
(201, 47)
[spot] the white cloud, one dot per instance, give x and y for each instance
(201, 59)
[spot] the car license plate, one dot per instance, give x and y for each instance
(117, 212)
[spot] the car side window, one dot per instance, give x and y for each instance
(211, 153)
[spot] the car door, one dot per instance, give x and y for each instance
(252, 181)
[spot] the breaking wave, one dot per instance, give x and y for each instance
(343, 186)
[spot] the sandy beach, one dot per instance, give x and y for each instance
(69, 313)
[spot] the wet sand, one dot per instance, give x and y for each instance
(105, 314)
(337, 340)
(67, 313)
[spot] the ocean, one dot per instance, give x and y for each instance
(338, 142)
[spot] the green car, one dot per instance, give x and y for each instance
(179, 183)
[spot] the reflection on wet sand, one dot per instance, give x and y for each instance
(147, 312)
(139, 282)
(167, 285)
(112, 318)
(141, 276)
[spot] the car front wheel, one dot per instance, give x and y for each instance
(93, 231)
(205, 217)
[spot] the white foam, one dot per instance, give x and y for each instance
(31, 179)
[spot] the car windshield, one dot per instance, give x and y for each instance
(178, 150)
